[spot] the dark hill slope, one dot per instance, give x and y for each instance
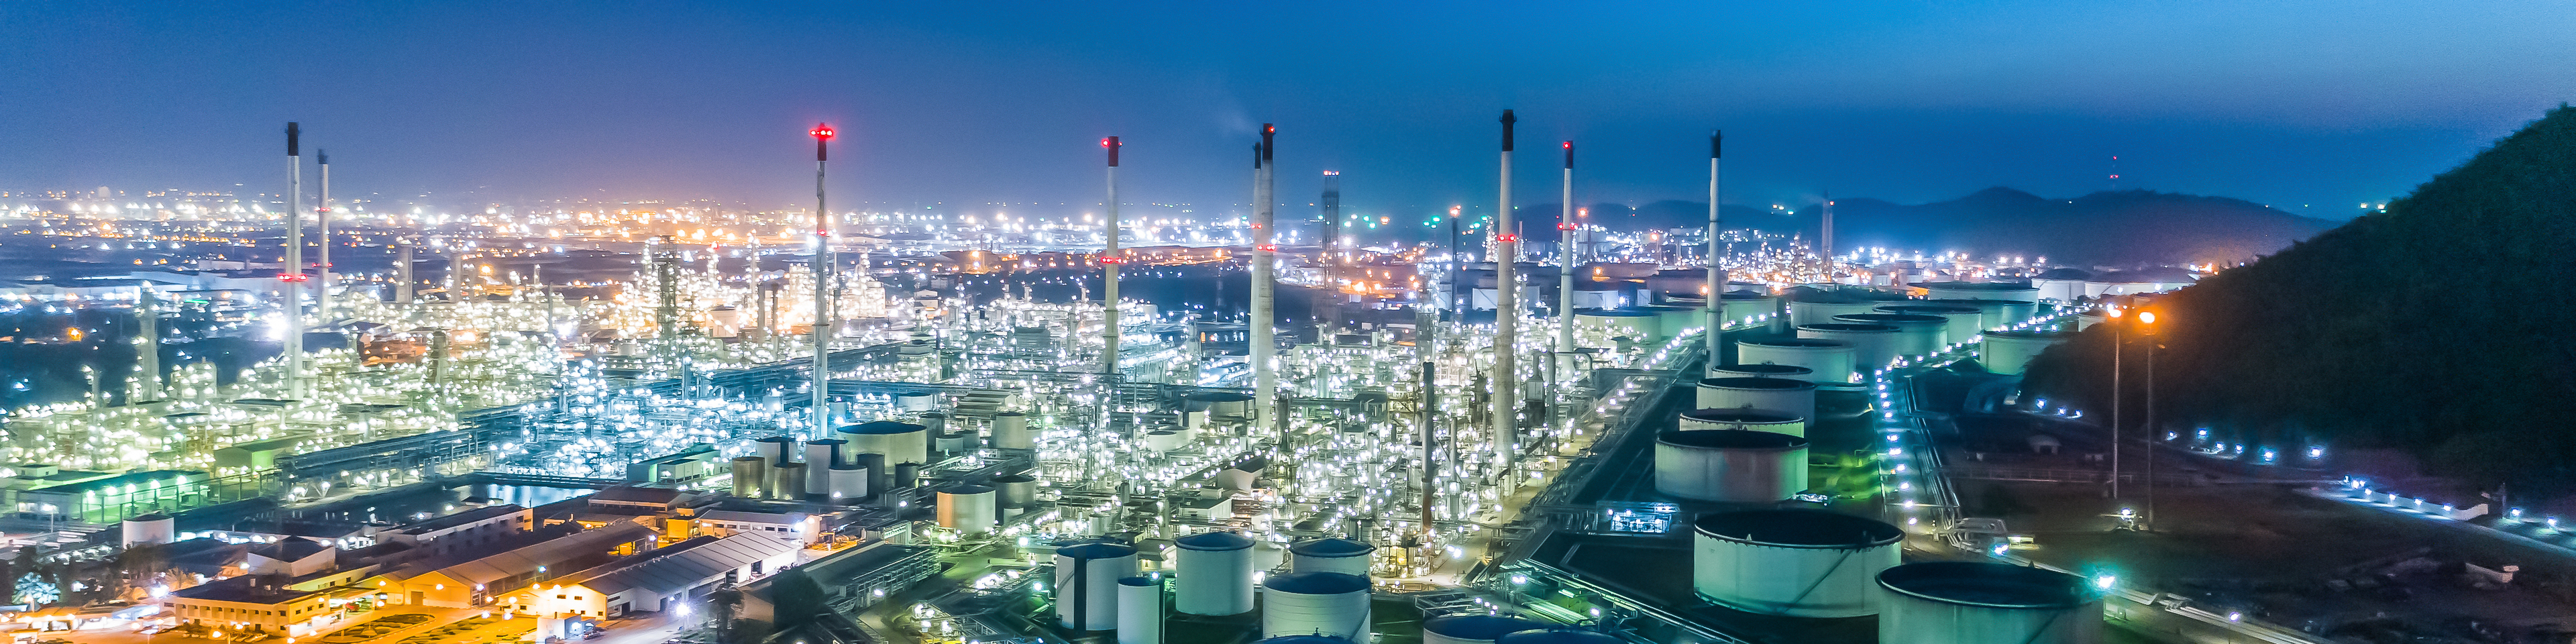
(2434, 327)
(2104, 228)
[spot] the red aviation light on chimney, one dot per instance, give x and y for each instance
(1113, 260)
(821, 131)
(1507, 238)
(1565, 225)
(1267, 248)
(291, 277)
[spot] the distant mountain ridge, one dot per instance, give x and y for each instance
(2122, 228)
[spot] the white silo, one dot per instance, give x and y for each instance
(1712, 419)
(1798, 563)
(1303, 639)
(1672, 320)
(1730, 465)
(1164, 440)
(1974, 602)
(1820, 312)
(1215, 574)
(1140, 610)
(1086, 584)
(916, 401)
(966, 508)
(1224, 404)
(899, 442)
(1315, 603)
(1873, 345)
(1915, 334)
(2008, 352)
(849, 483)
(773, 450)
(787, 480)
(1011, 431)
(1830, 360)
(150, 529)
(1775, 395)
(1602, 325)
(1999, 291)
(1331, 554)
(750, 476)
(820, 456)
(1473, 629)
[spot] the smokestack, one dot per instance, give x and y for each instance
(1332, 256)
(666, 290)
(402, 271)
(1826, 247)
(437, 358)
(294, 273)
(147, 349)
(322, 282)
(823, 322)
(1716, 269)
(1566, 228)
(1265, 378)
(1507, 311)
(1109, 261)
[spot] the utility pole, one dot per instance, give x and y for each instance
(822, 289)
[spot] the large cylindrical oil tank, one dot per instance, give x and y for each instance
(1330, 554)
(1789, 371)
(966, 508)
(1315, 603)
(1730, 465)
(1215, 574)
(1961, 602)
(2008, 352)
(750, 476)
(1873, 345)
(1799, 563)
(1473, 629)
(1746, 304)
(1805, 313)
(2005, 291)
(775, 449)
(917, 401)
(1640, 326)
(1830, 360)
(1672, 320)
(1303, 639)
(849, 483)
(1140, 610)
(1017, 490)
(1965, 321)
(1915, 334)
(1711, 419)
(1558, 635)
(1086, 584)
(150, 529)
(1163, 440)
(1775, 395)
(1011, 431)
(900, 442)
(1991, 314)
(787, 481)
(954, 442)
(826, 452)
(1224, 404)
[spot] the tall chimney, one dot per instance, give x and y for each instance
(1331, 255)
(293, 275)
(1566, 227)
(1507, 311)
(823, 322)
(147, 345)
(1265, 378)
(1826, 249)
(1110, 259)
(322, 281)
(402, 270)
(1716, 259)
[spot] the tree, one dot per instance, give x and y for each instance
(798, 598)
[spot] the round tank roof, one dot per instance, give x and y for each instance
(1316, 583)
(1220, 396)
(1930, 308)
(1667, 309)
(1139, 582)
(1213, 541)
(827, 441)
(1761, 370)
(1848, 327)
(1890, 317)
(884, 427)
(1738, 416)
(156, 516)
(1798, 343)
(1478, 627)
(2032, 334)
(1614, 313)
(1304, 639)
(1730, 439)
(963, 489)
(1557, 636)
(1095, 551)
(1992, 585)
(1331, 547)
(1990, 287)
(1007, 479)
(773, 439)
(1775, 384)
(1798, 529)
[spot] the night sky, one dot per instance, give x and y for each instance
(2323, 104)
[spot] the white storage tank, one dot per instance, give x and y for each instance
(1604, 324)
(1805, 313)
(820, 456)
(2001, 291)
(1673, 320)
(773, 450)
(2008, 352)
(1746, 304)
(1991, 314)
(1315, 603)
(1799, 563)
(1303, 639)
(1224, 404)
(1164, 440)
(849, 483)
(1775, 395)
(899, 442)
(1215, 571)
(1086, 584)
(1830, 360)
(1965, 321)
(1760, 421)
(1558, 635)
(966, 508)
(1473, 629)
(150, 529)
(1011, 431)
(1730, 465)
(1016, 491)
(917, 401)
(1140, 610)
(1330, 554)
(750, 477)
(1915, 334)
(1974, 602)
(1789, 371)
(787, 481)
(1873, 345)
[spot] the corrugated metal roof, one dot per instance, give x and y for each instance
(699, 565)
(548, 553)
